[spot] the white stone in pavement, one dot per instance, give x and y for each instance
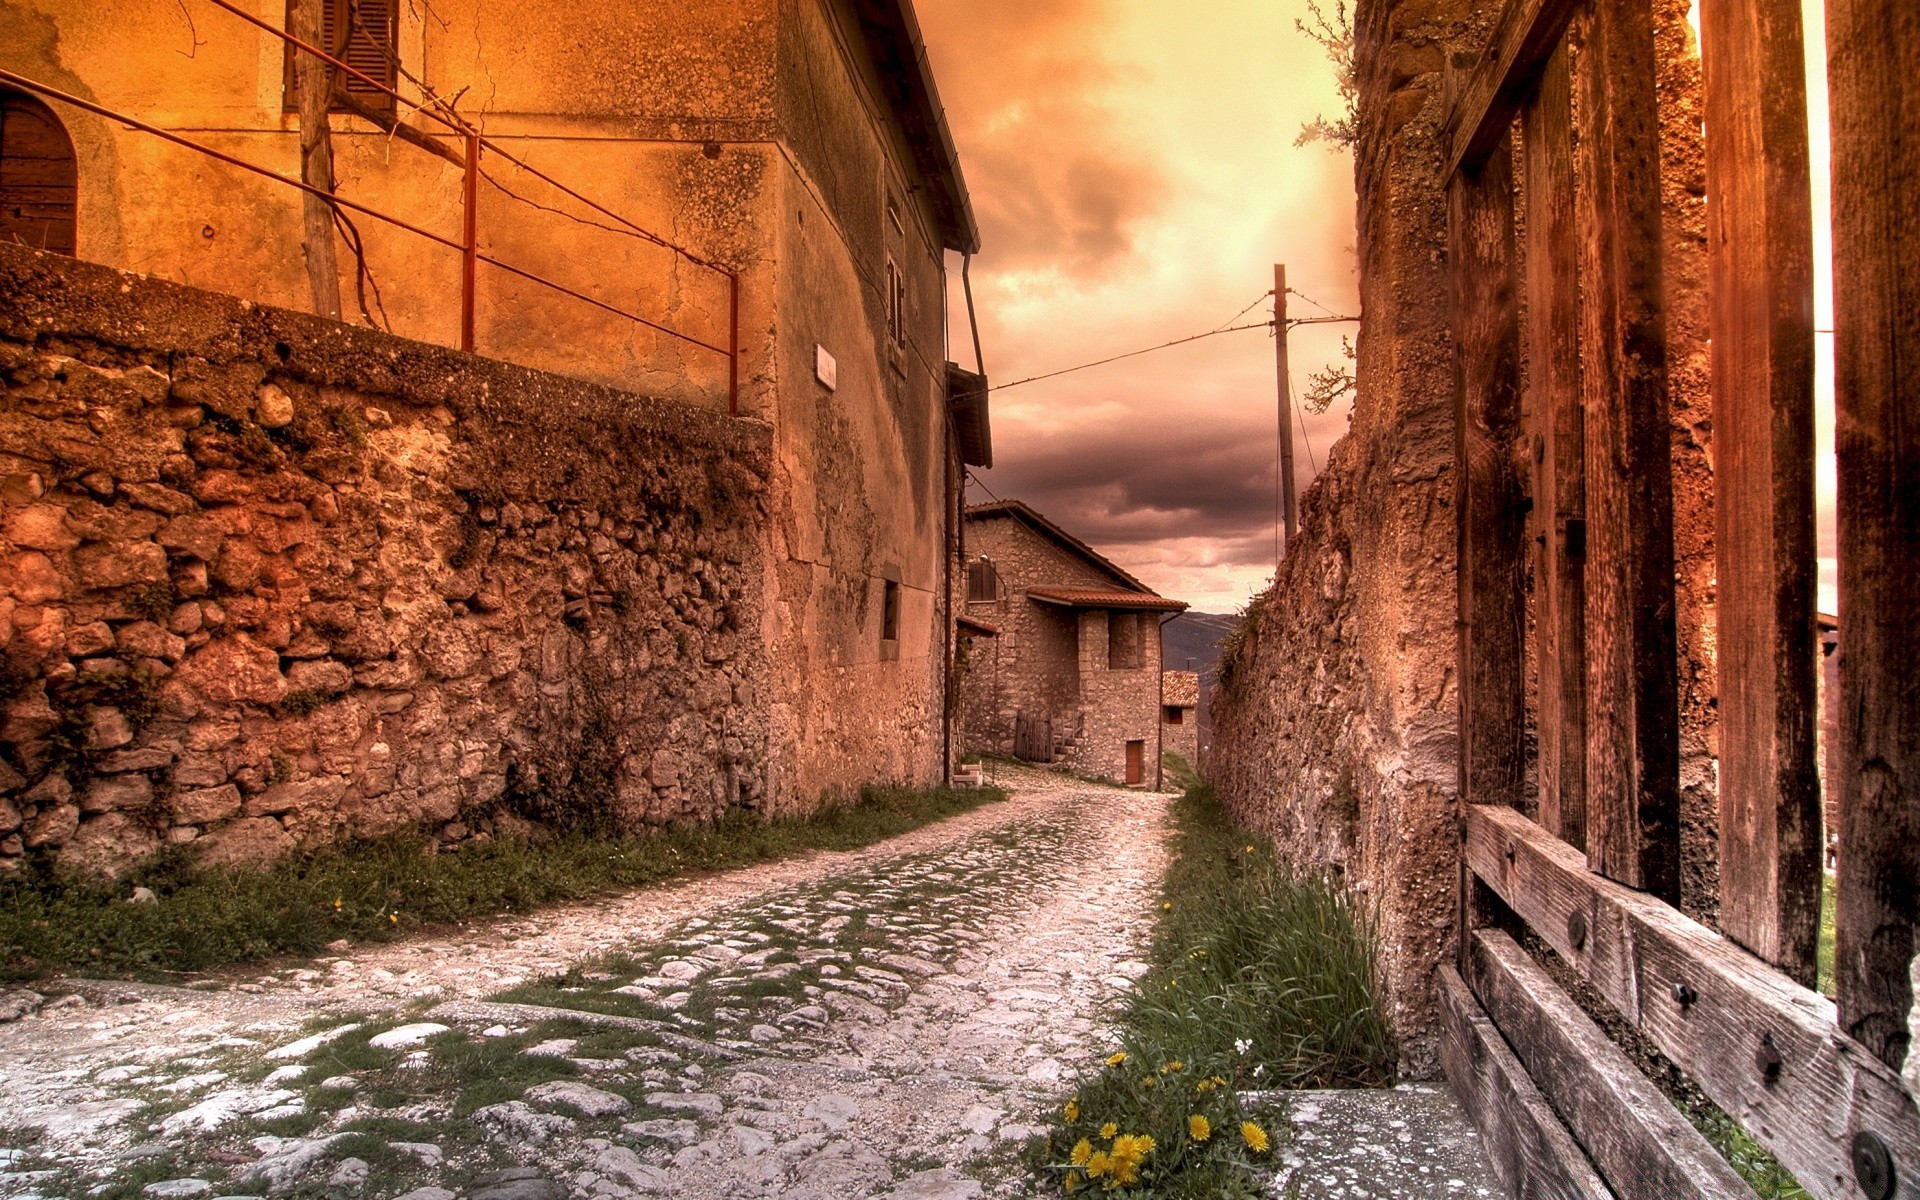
(405, 1036)
(177, 1189)
(307, 1045)
(581, 1098)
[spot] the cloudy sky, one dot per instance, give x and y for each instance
(1133, 167)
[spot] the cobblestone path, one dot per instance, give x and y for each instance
(888, 1023)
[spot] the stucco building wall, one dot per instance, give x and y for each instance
(759, 133)
(269, 580)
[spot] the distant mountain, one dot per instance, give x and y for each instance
(1191, 641)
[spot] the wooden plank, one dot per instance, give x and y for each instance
(1734, 1016)
(1559, 492)
(1632, 763)
(1482, 111)
(1491, 532)
(1760, 257)
(1530, 1151)
(1872, 49)
(1642, 1145)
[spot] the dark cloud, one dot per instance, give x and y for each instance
(1055, 180)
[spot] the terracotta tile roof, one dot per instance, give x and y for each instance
(1021, 511)
(974, 625)
(1181, 688)
(1073, 597)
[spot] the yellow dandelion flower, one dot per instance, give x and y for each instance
(1149, 1081)
(1099, 1163)
(1249, 847)
(1204, 1086)
(1175, 1065)
(1256, 1137)
(1073, 1109)
(394, 917)
(1199, 1128)
(1082, 1151)
(1108, 1130)
(336, 904)
(1167, 906)
(1116, 1058)
(1125, 1173)
(1075, 1180)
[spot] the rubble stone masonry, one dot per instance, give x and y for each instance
(267, 581)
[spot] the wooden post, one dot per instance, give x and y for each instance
(1288, 517)
(1633, 774)
(1872, 49)
(1760, 255)
(469, 240)
(313, 80)
(1491, 573)
(1559, 493)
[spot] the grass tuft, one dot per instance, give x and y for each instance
(382, 889)
(1261, 978)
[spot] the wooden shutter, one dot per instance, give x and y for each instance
(370, 49)
(39, 177)
(983, 582)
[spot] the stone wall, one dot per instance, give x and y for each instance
(271, 580)
(1333, 728)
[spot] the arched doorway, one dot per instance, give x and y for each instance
(39, 177)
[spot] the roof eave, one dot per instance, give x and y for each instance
(922, 118)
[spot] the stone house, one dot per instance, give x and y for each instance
(799, 147)
(1180, 715)
(1061, 649)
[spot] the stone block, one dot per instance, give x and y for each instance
(10, 817)
(234, 670)
(52, 827)
(119, 564)
(251, 843)
(186, 619)
(108, 845)
(159, 498)
(324, 677)
(32, 579)
(192, 536)
(144, 758)
(272, 407)
(94, 637)
(227, 389)
(144, 639)
(109, 729)
(303, 795)
(40, 527)
(202, 806)
(51, 791)
(111, 793)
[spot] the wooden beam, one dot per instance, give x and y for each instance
(1872, 49)
(1559, 470)
(1530, 1151)
(1763, 1048)
(1642, 1145)
(1632, 765)
(1760, 259)
(1482, 111)
(1491, 534)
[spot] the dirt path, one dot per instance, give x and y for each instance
(887, 1022)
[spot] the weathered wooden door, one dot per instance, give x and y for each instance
(38, 176)
(1136, 763)
(1562, 372)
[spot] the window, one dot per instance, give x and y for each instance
(361, 34)
(890, 612)
(896, 303)
(39, 176)
(1123, 641)
(1176, 715)
(983, 582)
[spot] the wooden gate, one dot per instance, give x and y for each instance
(1033, 738)
(1558, 118)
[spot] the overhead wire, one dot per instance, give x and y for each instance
(1133, 353)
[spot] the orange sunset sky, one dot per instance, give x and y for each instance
(1134, 169)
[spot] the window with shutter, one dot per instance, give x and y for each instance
(983, 582)
(362, 34)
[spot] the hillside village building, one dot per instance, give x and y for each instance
(1180, 714)
(1062, 650)
(787, 594)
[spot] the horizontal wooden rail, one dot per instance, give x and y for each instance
(1531, 1152)
(1484, 107)
(1635, 1135)
(1763, 1048)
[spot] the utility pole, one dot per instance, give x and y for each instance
(1287, 520)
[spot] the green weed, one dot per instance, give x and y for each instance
(1262, 979)
(382, 889)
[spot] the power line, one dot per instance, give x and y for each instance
(1136, 353)
(1243, 312)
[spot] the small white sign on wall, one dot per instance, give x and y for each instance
(825, 368)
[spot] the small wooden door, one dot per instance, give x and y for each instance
(1136, 763)
(38, 176)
